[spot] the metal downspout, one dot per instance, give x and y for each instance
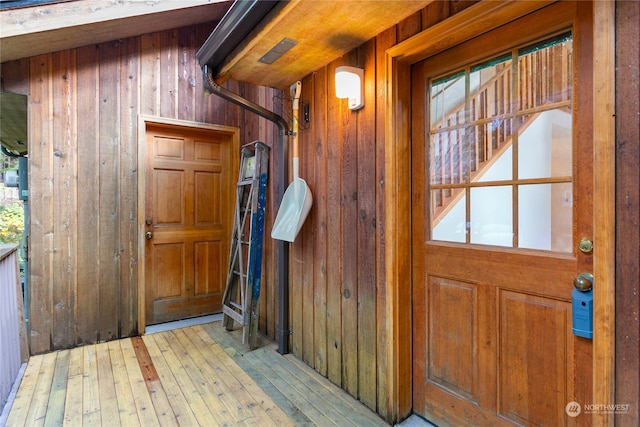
(281, 247)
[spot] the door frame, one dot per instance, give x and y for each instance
(477, 19)
(143, 122)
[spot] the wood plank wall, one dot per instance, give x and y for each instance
(83, 117)
(338, 289)
(337, 265)
(84, 105)
(628, 211)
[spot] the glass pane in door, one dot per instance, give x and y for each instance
(500, 133)
(545, 213)
(545, 145)
(492, 216)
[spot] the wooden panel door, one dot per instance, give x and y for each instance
(189, 208)
(501, 164)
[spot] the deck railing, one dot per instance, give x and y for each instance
(13, 340)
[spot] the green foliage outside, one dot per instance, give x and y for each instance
(11, 223)
(11, 211)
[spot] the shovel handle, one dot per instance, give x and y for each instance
(295, 90)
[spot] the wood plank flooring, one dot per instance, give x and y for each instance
(196, 376)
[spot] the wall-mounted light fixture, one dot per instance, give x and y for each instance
(349, 84)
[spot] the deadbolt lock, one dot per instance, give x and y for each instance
(585, 246)
(148, 221)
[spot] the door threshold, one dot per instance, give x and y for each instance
(168, 326)
(415, 421)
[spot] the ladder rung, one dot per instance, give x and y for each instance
(233, 314)
(235, 305)
(247, 232)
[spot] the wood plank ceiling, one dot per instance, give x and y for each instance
(45, 28)
(324, 30)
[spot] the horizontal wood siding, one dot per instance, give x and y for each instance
(83, 128)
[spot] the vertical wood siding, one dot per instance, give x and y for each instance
(83, 117)
(337, 286)
(628, 211)
(83, 110)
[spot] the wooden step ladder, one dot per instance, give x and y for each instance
(242, 292)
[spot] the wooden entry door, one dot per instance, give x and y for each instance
(188, 213)
(502, 178)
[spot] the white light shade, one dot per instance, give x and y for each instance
(349, 84)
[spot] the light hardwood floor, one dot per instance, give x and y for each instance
(195, 376)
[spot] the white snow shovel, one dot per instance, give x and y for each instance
(297, 200)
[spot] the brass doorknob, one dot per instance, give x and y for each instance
(148, 235)
(583, 282)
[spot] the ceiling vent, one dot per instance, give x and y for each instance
(285, 45)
